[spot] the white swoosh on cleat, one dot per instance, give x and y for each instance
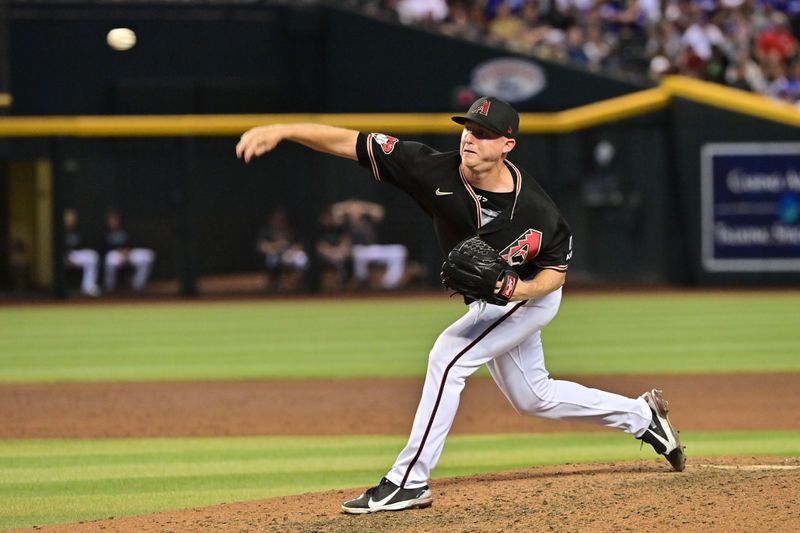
(372, 504)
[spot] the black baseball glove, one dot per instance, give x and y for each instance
(473, 269)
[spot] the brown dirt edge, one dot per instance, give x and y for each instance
(324, 407)
(714, 494)
(245, 289)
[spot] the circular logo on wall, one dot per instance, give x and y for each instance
(510, 79)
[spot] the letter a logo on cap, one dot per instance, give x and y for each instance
(484, 108)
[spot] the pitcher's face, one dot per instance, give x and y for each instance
(480, 145)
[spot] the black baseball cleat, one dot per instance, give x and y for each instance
(389, 497)
(661, 435)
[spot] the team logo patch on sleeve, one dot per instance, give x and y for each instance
(386, 142)
(526, 247)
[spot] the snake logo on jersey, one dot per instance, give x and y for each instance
(386, 142)
(525, 248)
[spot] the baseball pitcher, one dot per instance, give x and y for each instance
(507, 249)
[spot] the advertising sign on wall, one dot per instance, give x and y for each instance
(750, 207)
(510, 79)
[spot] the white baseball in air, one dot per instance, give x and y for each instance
(121, 39)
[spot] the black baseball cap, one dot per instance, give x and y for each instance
(494, 114)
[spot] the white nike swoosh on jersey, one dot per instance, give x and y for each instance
(372, 503)
(440, 192)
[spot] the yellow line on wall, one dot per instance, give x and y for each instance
(611, 110)
(732, 99)
(211, 125)
(398, 123)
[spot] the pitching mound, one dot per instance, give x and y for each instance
(713, 494)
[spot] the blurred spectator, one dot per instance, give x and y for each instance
(737, 31)
(512, 6)
(575, 46)
(660, 66)
(625, 21)
(535, 30)
(362, 219)
(569, 12)
(702, 36)
(775, 72)
(786, 87)
(421, 11)
(283, 257)
(119, 253)
(716, 66)
(776, 39)
(465, 22)
(666, 40)
(78, 255)
(597, 47)
(650, 11)
(745, 74)
(504, 26)
(333, 249)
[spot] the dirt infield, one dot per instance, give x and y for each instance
(323, 407)
(719, 494)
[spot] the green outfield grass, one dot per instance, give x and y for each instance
(52, 481)
(55, 481)
(687, 332)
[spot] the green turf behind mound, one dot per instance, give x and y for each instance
(688, 332)
(59, 481)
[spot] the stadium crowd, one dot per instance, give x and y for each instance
(747, 44)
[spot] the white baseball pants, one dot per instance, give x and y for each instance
(391, 255)
(89, 261)
(142, 260)
(508, 340)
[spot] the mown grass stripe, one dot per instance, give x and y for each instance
(686, 332)
(51, 481)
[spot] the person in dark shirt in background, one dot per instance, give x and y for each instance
(362, 219)
(78, 255)
(283, 257)
(334, 249)
(119, 253)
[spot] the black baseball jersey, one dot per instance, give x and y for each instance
(116, 240)
(73, 241)
(526, 228)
